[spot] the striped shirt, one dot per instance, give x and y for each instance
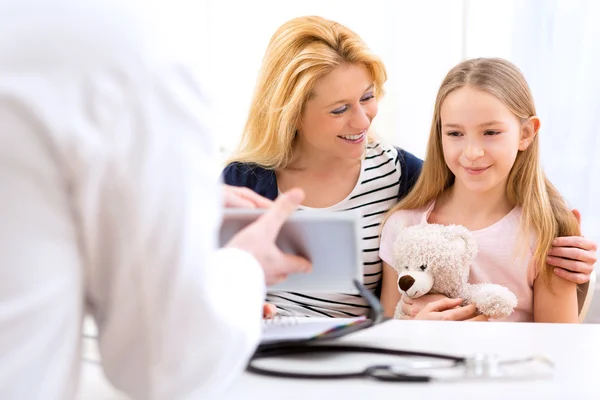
(382, 181)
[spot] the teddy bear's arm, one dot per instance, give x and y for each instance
(491, 300)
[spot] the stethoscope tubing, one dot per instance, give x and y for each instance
(378, 372)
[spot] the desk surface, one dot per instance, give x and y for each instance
(575, 350)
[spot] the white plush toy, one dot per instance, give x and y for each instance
(437, 258)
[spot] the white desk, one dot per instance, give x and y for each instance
(575, 349)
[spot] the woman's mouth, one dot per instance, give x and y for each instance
(354, 139)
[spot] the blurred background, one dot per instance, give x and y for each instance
(556, 43)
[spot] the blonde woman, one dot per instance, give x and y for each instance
(483, 172)
(309, 127)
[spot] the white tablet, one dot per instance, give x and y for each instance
(330, 240)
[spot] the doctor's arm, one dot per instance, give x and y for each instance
(176, 316)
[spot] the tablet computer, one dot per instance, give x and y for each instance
(330, 240)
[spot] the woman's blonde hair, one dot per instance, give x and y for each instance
(302, 51)
(545, 213)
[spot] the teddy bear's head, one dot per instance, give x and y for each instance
(432, 257)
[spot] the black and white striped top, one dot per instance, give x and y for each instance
(376, 191)
(378, 188)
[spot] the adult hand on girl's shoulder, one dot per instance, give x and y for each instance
(574, 256)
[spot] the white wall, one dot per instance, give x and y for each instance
(418, 41)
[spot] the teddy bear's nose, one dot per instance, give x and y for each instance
(405, 282)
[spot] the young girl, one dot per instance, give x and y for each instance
(483, 171)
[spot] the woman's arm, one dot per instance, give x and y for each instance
(556, 301)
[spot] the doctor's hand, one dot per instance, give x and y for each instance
(242, 197)
(259, 237)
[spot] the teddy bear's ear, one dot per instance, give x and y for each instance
(401, 246)
(463, 239)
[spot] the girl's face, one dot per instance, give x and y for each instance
(336, 118)
(481, 138)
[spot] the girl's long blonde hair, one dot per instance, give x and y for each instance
(545, 212)
(300, 52)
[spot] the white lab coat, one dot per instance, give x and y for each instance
(109, 204)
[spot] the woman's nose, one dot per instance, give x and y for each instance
(360, 119)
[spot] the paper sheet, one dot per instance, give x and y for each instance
(304, 328)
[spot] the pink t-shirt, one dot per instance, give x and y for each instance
(500, 258)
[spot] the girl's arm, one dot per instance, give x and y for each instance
(390, 296)
(556, 302)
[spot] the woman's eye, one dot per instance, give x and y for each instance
(340, 111)
(491, 133)
(454, 133)
(367, 97)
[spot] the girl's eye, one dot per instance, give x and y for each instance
(340, 111)
(491, 133)
(454, 133)
(367, 97)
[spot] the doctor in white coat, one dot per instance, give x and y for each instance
(109, 204)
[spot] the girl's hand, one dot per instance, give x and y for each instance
(447, 309)
(411, 307)
(574, 256)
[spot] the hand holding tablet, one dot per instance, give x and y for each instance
(330, 240)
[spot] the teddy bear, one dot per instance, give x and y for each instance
(437, 258)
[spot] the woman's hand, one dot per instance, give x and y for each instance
(574, 256)
(242, 197)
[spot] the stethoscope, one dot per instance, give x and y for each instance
(429, 368)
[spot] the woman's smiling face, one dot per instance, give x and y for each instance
(339, 112)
